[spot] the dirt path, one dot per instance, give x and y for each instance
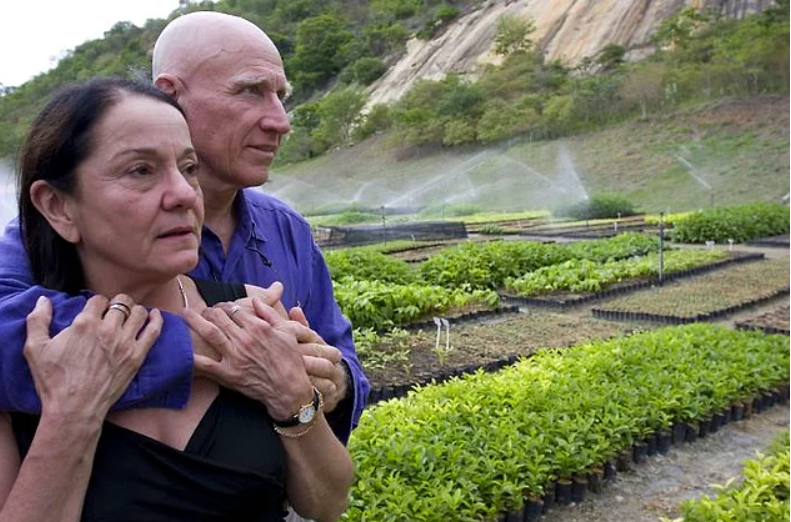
(656, 487)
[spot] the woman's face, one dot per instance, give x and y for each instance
(138, 208)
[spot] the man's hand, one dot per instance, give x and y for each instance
(322, 362)
(259, 356)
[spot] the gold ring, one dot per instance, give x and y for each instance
(121, 307)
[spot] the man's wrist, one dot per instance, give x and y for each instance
(349, 380)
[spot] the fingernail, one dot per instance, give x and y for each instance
(41, 300)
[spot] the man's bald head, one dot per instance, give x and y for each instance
(192, 39)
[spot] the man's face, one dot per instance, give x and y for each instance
(234, 108)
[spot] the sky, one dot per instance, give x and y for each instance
(35, 33)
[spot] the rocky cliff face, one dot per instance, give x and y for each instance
(568, 30)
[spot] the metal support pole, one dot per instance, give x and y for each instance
(661, 247)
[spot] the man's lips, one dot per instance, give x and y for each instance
(269, 149)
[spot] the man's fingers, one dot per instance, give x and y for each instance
(296, 314)
(325, 386)
(320, 367)
(267, 313)
(38, 322)
(208, 367)
(321, 351)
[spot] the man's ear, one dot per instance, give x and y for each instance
(57, 208)
(170, 85)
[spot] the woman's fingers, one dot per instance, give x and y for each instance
(118, 310)
(150, 333)
(38, 322)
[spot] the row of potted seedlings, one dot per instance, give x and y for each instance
(548, 429)
(626, 315)
(613, 278)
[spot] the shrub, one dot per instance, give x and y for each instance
(739, 223)
(366, 70)
(599, 207)
(365, 263)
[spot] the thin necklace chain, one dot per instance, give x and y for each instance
(183, 293)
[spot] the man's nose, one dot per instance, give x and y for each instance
(275, 117)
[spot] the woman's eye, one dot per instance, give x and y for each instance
(141, 170)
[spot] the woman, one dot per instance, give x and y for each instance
(109, 202)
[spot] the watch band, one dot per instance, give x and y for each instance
(304, 411)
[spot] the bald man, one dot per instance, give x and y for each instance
(228, 76)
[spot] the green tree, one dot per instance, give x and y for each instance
(513, 35)
(611, 57)
(318, 54)
(339, 112)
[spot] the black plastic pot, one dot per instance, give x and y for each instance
(758, 404)
(578, 489)
(549, 497)
(533, 510)
(748, 409)
(663, 439)
(610, 470)
(726, 415)
(563, 492)
(623, 462)
(595, 479)
(651, 445)
(704, 427)
(515, 516)
(718, 420)
(639, 452)
(692, 433)
(737, 411)
(679, 433)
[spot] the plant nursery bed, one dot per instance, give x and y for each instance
(655, 488)
(488, 345)
(772, 322)
(704, 298)
(566, 299)
(776, 241)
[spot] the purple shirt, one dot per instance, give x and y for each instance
(271, 243)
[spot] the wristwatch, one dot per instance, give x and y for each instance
(306, 414)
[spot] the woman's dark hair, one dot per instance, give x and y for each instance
(59, 141)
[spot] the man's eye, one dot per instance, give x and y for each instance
(250, 89)
(190, 169)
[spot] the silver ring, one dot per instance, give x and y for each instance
(234, 309)
(121, 307)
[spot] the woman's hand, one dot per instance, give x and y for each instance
(81, 372)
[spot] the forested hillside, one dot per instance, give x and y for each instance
(333, 50)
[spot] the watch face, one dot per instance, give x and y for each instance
(307, 414)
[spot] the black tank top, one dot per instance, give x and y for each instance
(232, 469)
